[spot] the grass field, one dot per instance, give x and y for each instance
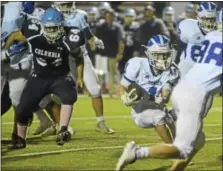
(90, 150)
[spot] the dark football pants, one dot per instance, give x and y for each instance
(37, 88)
(5, 99)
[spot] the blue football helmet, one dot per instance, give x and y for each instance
(219, 20)
(53, 24)
(27, 7)
(159, 52)
(207, 13)
(168, 14)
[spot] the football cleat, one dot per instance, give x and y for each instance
(63, 136)
(128, 156)
(103, 127)
(17, 143)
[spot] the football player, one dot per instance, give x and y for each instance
(130, 28)
(16, 57)
(191, 34)
(189, 99)
(155, 76)
(51, 74)
(78, 18)
(168, 17)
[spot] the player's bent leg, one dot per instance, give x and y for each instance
(17, 83)
(5, 99)
(154, 119)
(92, 84)
(32, 94)
(46, 126)
(181, 164)
(188, 128)
(65, 88)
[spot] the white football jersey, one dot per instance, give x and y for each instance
(138, 70)
(190, 34)
(207, 73)
(10, 18)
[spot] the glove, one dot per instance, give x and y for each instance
(99, 43)
(130, 98)
(159, 99)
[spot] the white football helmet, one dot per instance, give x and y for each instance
(159, 52)
(207, 13)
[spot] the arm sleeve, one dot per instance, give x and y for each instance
(131, 72)
(85, 27)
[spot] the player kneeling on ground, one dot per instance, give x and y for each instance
(154, 77)
(189, 99)
(51, 74)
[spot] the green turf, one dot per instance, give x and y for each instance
(96, 151)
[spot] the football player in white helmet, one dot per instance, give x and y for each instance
(189, 99)
(154, 77)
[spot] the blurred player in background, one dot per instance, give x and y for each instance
(169, 19)
(130, 28)
(155, 75)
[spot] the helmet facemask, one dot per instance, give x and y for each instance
(207, 24)
(158, 59)
(53, 32)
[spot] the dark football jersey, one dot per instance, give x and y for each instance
(51, 59)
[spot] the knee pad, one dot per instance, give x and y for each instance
(69, 99)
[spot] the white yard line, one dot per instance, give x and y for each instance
(82, 149)
(216, 109)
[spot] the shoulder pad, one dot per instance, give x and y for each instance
(31, 27)
(187, 29)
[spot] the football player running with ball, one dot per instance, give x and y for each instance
(51, 73)
(189, 99)
(147, 84)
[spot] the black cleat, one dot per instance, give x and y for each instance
(17, 143)
(63, 136)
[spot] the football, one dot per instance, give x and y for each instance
(138, 91)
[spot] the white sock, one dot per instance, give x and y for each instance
(100, 118)
(142, 152)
